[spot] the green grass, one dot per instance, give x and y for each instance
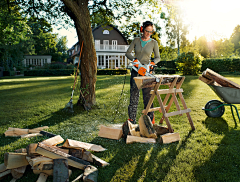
(210, 153)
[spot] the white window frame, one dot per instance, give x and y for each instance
(114, 44)
(105, 44)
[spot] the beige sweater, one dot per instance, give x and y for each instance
(143, 54)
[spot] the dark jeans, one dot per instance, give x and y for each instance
(134, 98)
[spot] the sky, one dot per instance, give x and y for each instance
(213, 18)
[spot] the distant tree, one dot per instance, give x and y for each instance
(202, 45)
(222, 48)
(235, 38)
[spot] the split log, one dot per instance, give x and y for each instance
(2, 167)
(90, 174)
(110, 132)
(31, 149)
(36, 161)
(15, 160)
(52, 153)
(42, 177)
(53, 140)
(31, 135)
(47, 134)
(17, 173)
(22, 150)
(210, 74)
(19, 131)
(99, 162)
(144, 81)
(81, 154)
(160, 130)
(169, 138)
(5, 173)
(132, 139)
(60, 170)
(87, 146)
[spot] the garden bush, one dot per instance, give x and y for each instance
(112, 71)
(189, 63)
(48, 72)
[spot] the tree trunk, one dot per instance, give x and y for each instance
(80, 14)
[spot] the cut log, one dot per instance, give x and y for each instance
(90, 174)
(210, 74)
(17, 173)
(169, 138)
(81, 154)
(2, 167)
(60, 170)
(5, 173)
(22, 150)
(31, 149)
(15, 160)
(47, 134)
(52, 153)
(14, 132)
(110, 132)
(144, 81)
(99, 162)
(132, 139)
(31, 135)
(160, 130)
(42, 177)
(38, 160)
(53, 140)
(87, 146)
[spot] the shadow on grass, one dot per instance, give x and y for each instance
(137, 161)
(224, 163)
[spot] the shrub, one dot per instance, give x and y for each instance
(167, 64)
(112, 71)
(188, 63)
(46, 72)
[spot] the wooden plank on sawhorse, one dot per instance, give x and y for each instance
(172, 82)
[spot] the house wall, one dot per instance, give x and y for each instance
(36, 60)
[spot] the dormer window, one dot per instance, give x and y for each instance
(106, 32)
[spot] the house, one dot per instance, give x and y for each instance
(110, 45)
(36, 60)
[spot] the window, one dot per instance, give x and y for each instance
(105, 44)
(97, 44)
(106, 32)
(114, 44)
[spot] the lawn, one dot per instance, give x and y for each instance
(210, 153)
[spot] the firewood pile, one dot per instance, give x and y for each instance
(46, 158)
(212, 78)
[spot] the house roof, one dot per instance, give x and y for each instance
(115, 28)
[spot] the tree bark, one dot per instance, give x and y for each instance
(78, 11)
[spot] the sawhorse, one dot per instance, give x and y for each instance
(174, 82)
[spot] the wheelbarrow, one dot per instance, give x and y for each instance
(229, 96)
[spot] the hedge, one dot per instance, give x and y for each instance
(222, 65)
(164, 71)
(68, 72)
(8, 73)
(167, 64)
(112, 71)
(45, 72)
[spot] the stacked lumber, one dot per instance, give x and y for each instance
(46, 158)
(212, 78)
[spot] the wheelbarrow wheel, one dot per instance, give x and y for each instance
(216, 112)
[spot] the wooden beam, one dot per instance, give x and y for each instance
(110, 132)
(42, 177)
(87, 146)
(15, 160)
(60, 170)
(168, 91)
(132, 139)
(53, 140)
(90, 174)
(99, 162)
(169, 138)
(177, 112)
(52, 153)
